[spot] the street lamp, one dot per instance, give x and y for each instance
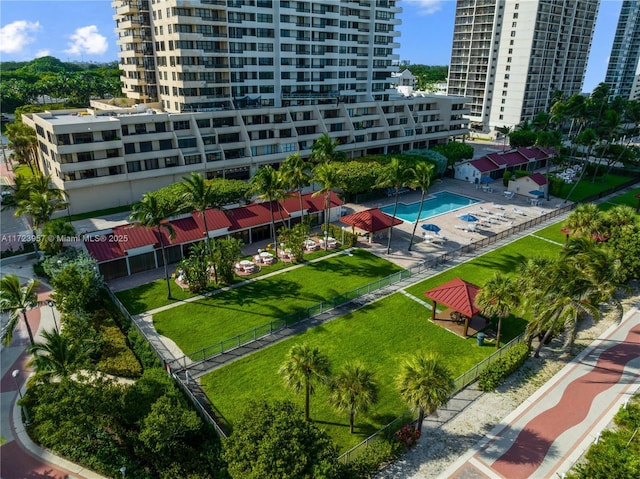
(123, 470)
(51, 304)
(15, 375)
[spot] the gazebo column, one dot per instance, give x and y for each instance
(433, 311)
(467, 320)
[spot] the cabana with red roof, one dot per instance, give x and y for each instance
(495, 164)
(370, 221)
(130, 249)
(457, 295)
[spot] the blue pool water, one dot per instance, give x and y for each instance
(435, 204)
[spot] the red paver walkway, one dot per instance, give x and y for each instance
(544, 436)
(526, 454)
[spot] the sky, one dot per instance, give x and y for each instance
(83, 30)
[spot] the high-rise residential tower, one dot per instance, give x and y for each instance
(624, 61)
(193, 55)
(510, 56)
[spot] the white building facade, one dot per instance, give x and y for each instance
(623, 71)
(111, 156)
(192, 55)
(510, 56)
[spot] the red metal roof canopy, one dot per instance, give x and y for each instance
(370, 220)
(456, 294)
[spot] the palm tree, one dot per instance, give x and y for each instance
(422, 179)
(584, 220)
(295, 175)
(268, 184)
(16, 299)
(304, 366)
(497, 298)
(425, 383)
(150, 214)
(504, 130)
(354, 390)
(532, 281)
(24, 143)
(327, 174)
(324, 150)
(395, 175)
(56, 356)
(200, 195)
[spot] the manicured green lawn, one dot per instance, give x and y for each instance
(107, 211)
(154, 295)
(379, 335)
(210, 320)
(553, 232)
(628, 199)
(585, 188)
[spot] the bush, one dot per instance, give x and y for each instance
(373, 457)
(491, 377)
(115, 356)
(617, 453)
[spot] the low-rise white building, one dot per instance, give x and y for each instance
(109, 155)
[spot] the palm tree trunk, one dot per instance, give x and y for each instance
(301, 206)
(420, 418)
(393, 220)
(307, 393)
(499, 331)
(415, 225)
(206, 233)
(326, 220)
(273, 228)
(547, 335)
(351, 421)
(164, 262)
(26, 322)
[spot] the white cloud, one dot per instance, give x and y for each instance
(15, 36)
(87, 40)
(43, 53)
(426, 7)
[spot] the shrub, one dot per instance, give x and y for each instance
(115, 356)
(373, 457)
(491, 377)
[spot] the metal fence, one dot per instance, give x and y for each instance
(460, 383)
(209, 352)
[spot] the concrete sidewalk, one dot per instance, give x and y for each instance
(550, 431)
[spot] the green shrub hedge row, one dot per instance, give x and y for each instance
(490, 378)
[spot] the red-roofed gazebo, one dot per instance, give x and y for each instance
(458, 295)
(370, 221)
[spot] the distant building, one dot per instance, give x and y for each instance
(623, 72)
(510, 56)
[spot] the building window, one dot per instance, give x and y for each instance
(191, 159)
(133, 166)
(187, 143)
(181, 125)
(145, 146)
(171, 161)
(166, 145)
(129, 148)
(151, 164)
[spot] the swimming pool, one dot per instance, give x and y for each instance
(435, 204)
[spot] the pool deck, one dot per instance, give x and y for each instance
(449, 222)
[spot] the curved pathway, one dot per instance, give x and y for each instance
(549, 432)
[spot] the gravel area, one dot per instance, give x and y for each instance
(471, 414)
